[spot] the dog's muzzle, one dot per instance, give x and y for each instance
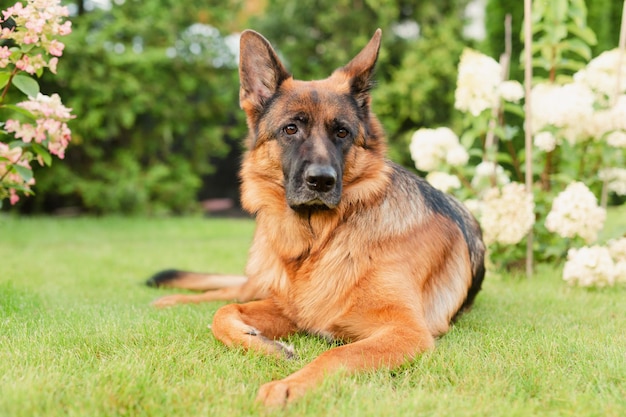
(317, 187)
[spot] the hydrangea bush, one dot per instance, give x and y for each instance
(579, 138)
(36, 127)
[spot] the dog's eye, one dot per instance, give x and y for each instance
(290, 129)
(342, 133)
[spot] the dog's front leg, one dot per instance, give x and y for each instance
(254, 326)
(388, 347)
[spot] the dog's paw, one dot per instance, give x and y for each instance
(279, 393)
(168, 300)
(274, 347)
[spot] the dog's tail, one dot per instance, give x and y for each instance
(195, 281)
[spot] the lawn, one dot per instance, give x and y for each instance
(78, 336)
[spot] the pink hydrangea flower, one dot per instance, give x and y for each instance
(38, 23)
(50, 126)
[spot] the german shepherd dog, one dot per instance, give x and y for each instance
(348, 245)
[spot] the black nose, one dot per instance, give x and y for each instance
(321, 178)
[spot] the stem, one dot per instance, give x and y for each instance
(581, 166)
(528, 76)
(497, 113)
(516, 164)
(604, 197)
(463, 179)
(547, 170)
(553, 66)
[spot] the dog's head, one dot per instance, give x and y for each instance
(308, 128)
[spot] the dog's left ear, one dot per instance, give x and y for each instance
(361, 70)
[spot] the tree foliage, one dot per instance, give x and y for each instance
(603, 17)
(154, 87)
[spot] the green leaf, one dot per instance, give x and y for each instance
(571, 65)
(26, 48)
(19, 110)
(560, 9)
(467, 139)
(26, 85)
(43, 152)
(25, 172)
(18, 144)
(4, 78)
(578, 47)
(514, 109)
(504, 158)
(584, 33)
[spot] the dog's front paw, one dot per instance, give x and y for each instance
(168, 300)
(279, 393)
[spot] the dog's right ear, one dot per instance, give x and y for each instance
(260, 72)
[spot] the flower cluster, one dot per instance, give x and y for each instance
(589, 266)
(545, 141)
(582, 109)
(506, 215)
(13, 156)
(601, 72)
(29, 37)
(489, 174)
(585, 117)
(37, 24)
(575, 212)
(480, 85)
(597, 265)
(430, 148)
(50, 126)
(443, 181)
(569, 107)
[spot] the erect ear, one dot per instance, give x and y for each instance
(361, 70)
(260, 72)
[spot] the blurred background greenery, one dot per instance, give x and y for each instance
(154, 85)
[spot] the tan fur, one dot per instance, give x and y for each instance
(382, 270)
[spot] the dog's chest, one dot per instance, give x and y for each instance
(319, 292)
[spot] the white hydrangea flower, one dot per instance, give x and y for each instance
(589, 266)
(617, 139)
(477, 83)
(507, 215)
(545, 141)
(611, 119)
(575, 212)
(615, 179)
(484, 173)
(568, 107)
(617, 249)
(511, 91)
(601, 72)
(430, 148)
(443, 181)
(457, 155)
(618, 113)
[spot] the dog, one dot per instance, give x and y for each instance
(348, 245)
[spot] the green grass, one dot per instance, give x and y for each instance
(79, 338)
